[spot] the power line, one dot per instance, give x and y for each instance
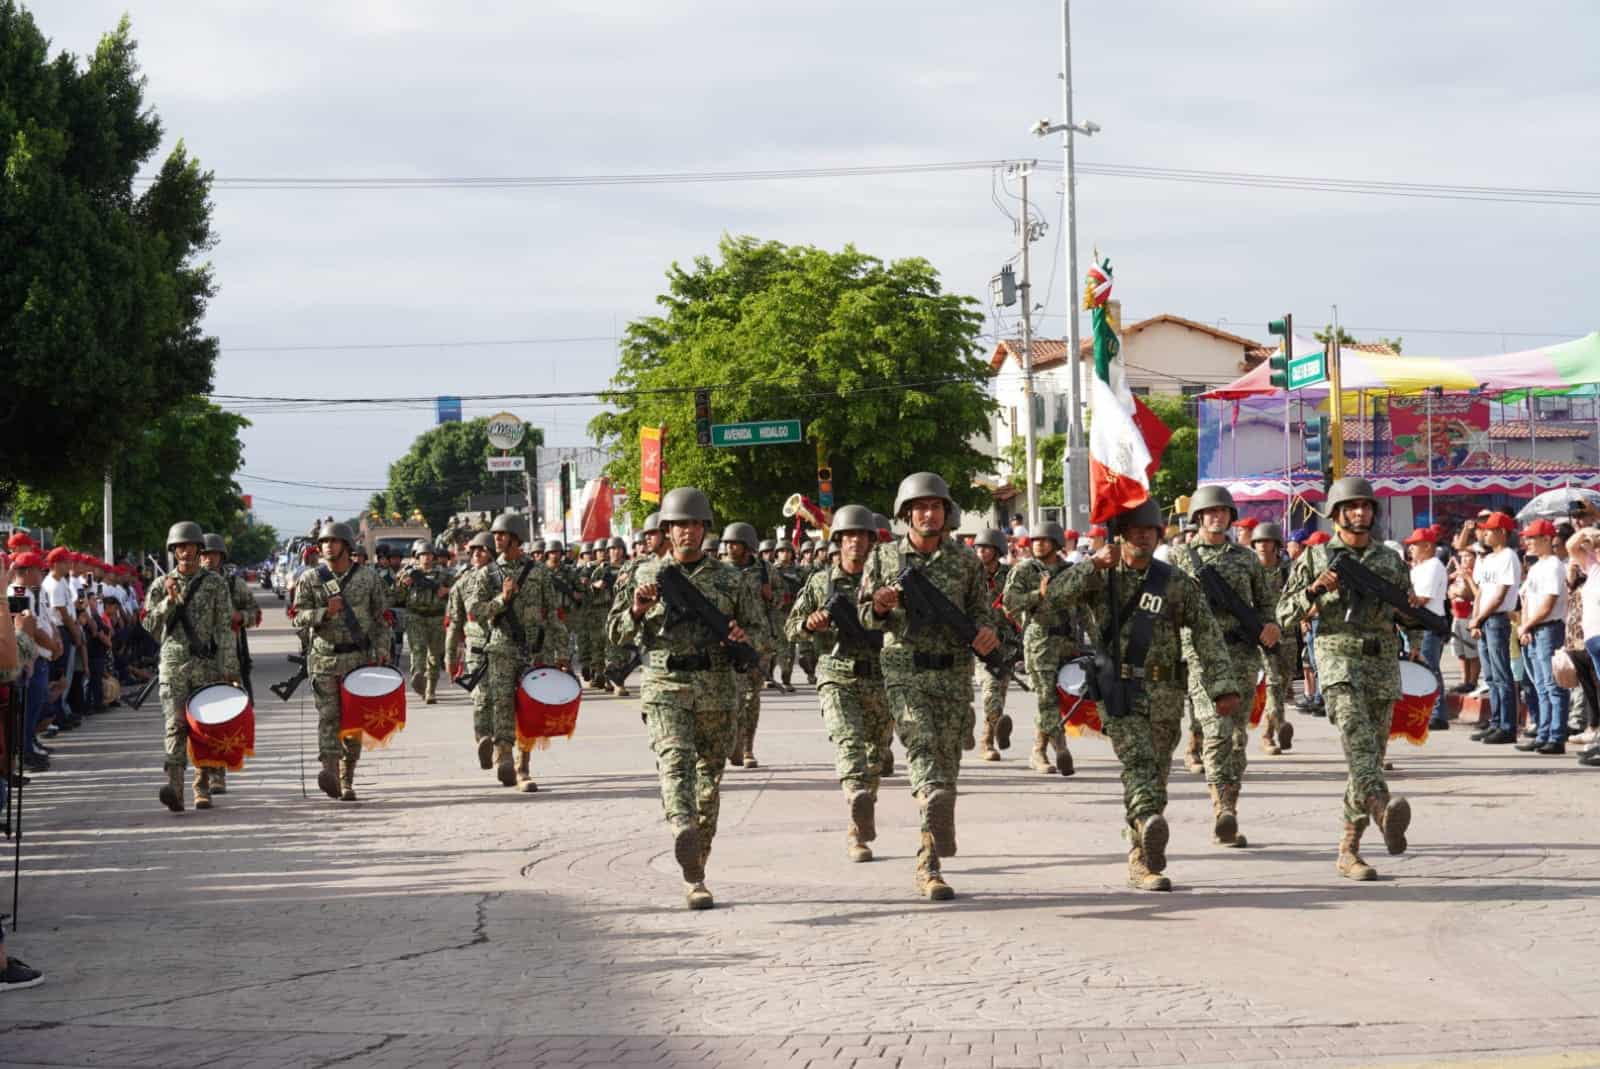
(344, 347)
(309, 485)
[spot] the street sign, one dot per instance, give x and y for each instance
(1308, 370)
(764, 432)
(508, 463)
(447, 409)
(505, 430)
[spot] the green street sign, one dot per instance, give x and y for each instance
(763, 432)
(1308, 370)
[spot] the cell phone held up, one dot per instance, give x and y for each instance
(16, 603)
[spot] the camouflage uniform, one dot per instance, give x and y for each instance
(244, 603)
(567, 590)
(993, 689)
(1051, 636)
(1280, 666)
(464, 631)
(183, 671)
(747, 687)
(786, 585)
(424, 602)
(335, 652)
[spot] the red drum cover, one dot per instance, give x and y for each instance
(222, 727)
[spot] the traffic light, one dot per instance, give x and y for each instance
(702, 415)
(1314, 441)
(825, 487)
(1280, 370)
(1283, 328)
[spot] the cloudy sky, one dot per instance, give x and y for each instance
(320, 289)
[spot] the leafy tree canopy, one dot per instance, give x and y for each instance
(101, 292)
(877, 361)
(1052, 450)
(445, 465)
(1180, 462)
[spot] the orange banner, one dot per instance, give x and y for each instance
(650, 463)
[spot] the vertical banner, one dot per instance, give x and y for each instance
(553, 520)
(594, 510)
(650, 463)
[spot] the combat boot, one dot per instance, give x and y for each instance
(1350, 864)
(202, 789)
(696, 895)
(619, 690)
(431, 695)
(930, 884)
(863, 815)
(171, 794)
(347, 780)
(989, 752)
(689, 852)
(886, 763)
(505, 770)
(1393, 817)
(940, 807)
(1193, 758)
(1269, 737)
(1063, 763)
(788, 687)
(1285, 735)
(219, 780)
(1225, 815)
(1038, 760)
(1002, 732)
(855, 848)
(750, 751)
(486, 753)
(1151, 835)
(525, 782)
(1140, 878)
(736, 758)
(328, 778)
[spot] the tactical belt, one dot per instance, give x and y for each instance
(693, 662)
(935, 661)
(865, 669)
(1154, 673)
(478, 651)
(349, 647)
(1371, 647)
(1064, 631)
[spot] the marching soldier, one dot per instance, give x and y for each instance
(567, 587)
(341, 605)
(246, 614)
(423, 591)
(855, 707)
(740, 544)
(464, 650)
(515, 602)
(1357, 651)
(1277, 733)
(1233, 582)
(687, 697)
(1148, 614)
(927, 670)
(991, 548)
(189, 612)
(1051, 636)
(787, 579)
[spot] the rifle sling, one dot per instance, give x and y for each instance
(507, 616)
(1149, 601)
(1223, 598)
(206, 650)
(325, 574)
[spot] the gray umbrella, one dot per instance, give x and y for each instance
(1558, 505)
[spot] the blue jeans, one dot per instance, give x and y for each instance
(38, 689)
(1432, 651)
(1553, 698)
(1494, 650)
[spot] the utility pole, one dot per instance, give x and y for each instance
(109, 556)
(1030, 436)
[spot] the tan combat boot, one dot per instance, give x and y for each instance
(505, 769)
(328, 778)
(886, 762)
(940, 807)
(1063, 762)
(431, 695)
(1194, 758)
(1285, 735)
(1269, 736)
(930, 884)
(989, 752)
(690, 852)
(750, 750)
(1225, 815)
(863, 814)
(486, 753)
(1350, 864)
(1038, 760)
(1393, 817)
(1140, 878)
(855, 849)
(219, 780)
(619, 690)
(1150, 836)
(171, 793)
(347, 779)
(1002, 732)
(525, 782)
(202, 789)
(736, 758)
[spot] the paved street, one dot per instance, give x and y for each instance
(446, 921)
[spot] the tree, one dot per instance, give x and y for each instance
(250, 544)
(101, 293)
(1393, 343)
(445, 465)
(1180, 463)
(1051, 450)
(179, 468)
(1325, 336)
(877, 361)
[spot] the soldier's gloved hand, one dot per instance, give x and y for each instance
(643, 598)
(985, 642)
(818, 621)
(1227, 705)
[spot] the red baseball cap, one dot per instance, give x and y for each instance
(1421, 535)
(27, 559)
(1099, 531)
(1070, 535)
(1247, 523)
(1498, 521)
(21, 540)
(1316, 538)
(58, 554)
(1539, 529)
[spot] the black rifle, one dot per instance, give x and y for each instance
(286, 689)
(508, 615)
(926, 604)
(618, 674)
(563, 587)
(852, 636)
(420, 580)
(1363, 580)
(1103, 668)
(1224, 598)
(684, 601)
(468, 680)
(144, 692)
(242, 646)
(204, 650)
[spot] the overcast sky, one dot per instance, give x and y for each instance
(1453, 93)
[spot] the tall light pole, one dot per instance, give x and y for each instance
(1077, 456)
(1030, 439)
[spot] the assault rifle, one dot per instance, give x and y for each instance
(926, 604)
(144, 692)
(1363, 580)
(618, 674)
(685, 602)
(1224, 597)
(286, 689)
(468, 680)
(852, 636)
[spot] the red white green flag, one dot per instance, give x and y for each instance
(1126, 439)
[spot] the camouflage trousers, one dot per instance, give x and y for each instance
(993, 692)
(1144, 742)
(325, 692)
(497, 693)
(591, 633)
(747, 700)
(691, 733)
(1280, 667)
(1363, 723)
(1224, 738)
(616, 657)
(176, 685)
(1042, 672)
(857, 717)
(933, 715)
(785, 658)
(425, 636)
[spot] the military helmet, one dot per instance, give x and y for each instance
(952, 517)
(419, 547)
(685, 504)
(1348, 489)
(1212, 497)
(652, 522)
(1145, 514)
(833, 550)
(787, 547)
(1267, 532)
(553, 545)
(214, 544)
(185, 531)
(852, 518)
(993, 539)
(617, 543)
(921, 484)
(512, 524)
(537, 546)
(359, 551)
(742, 533)
(337, 532)
(710, 544)
(1048, 529)
(481, 540)
(768, 545)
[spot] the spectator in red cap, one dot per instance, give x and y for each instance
(1498, 576)
(1098, 536)
(59, 605)
(1543, 631)
(1431, 582)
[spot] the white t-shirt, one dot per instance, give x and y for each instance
(1430, 580)
(1548, 576)
(42, 619)
(1502, 569)
(58, 594)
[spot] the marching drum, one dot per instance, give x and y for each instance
(222, 727)
(1418, 691)
(372, 704)
(1080, 715)
(547, 706)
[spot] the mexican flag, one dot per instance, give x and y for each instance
(1125, 438)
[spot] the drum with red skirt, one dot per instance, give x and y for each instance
(1080, 714)
(222, 727)
(372, 704)
(1258, 702)
(1418, 691)
(547, 706)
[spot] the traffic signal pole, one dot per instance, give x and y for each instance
(1284, 326)
(1336, 397)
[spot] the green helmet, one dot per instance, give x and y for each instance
(1145, 514)
(652, 522)
(743, 533)
(1267, 532)
(768, 545)
(512, 524)
(1212, 497)
(617, 543)
(852, 518)
(481, 540)
(537, 546)
(1048, 530)
(685, 504)
(952, 517)
(710, 544)
(185, 531)
(993, 539)
(921, 484)
(339, 532)
(215, 544)
(1348, 489)
(419, 547)
(553, 545)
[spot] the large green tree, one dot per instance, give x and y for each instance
(1051, 450)
(101, 288)
(445, 465)
(877, 361)
(1180, 463)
